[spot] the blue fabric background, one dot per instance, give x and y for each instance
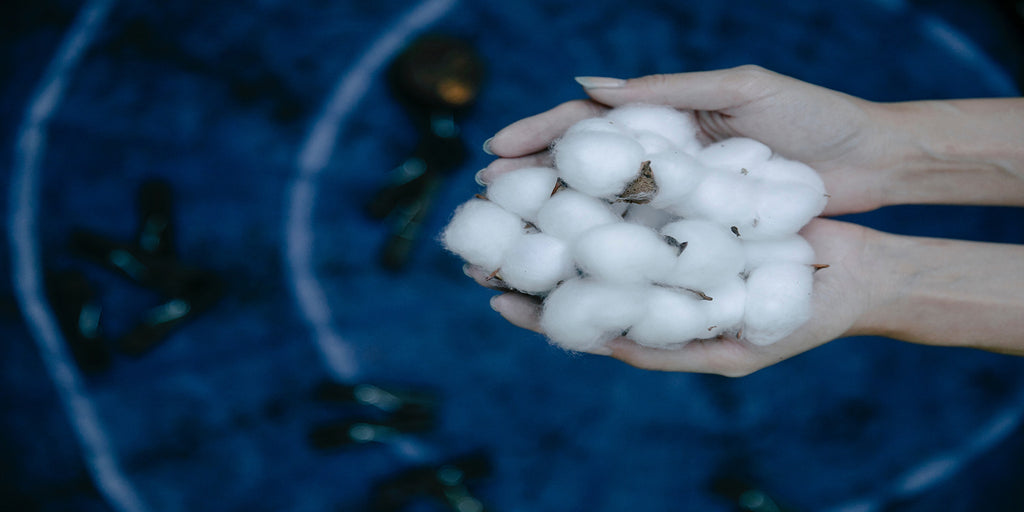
(218, 97)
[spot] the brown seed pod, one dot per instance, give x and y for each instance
(643, 189)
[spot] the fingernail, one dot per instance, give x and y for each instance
(479, 177)
(487, 146)
(600, 351)
(495, 301)
(465, 270)
(600, 82)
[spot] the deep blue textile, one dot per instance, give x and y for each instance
(219, 99)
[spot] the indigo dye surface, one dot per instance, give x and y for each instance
(221, 99)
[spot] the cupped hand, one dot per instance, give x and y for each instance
(846, 294)
(839, 135)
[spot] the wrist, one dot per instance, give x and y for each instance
(953, 152)
(945, 292)
(885, 275)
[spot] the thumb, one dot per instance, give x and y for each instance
(704, 90)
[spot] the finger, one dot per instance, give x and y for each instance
(727, 357)
(704, 90)
(533, 134)
(520, 310)
(503, 165)
(485, 278)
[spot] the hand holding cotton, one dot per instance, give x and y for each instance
(640, 229)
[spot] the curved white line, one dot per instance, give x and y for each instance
(939, 468)
(313, 159)
(989, 71)
(30, 146)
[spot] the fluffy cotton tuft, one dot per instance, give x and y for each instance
(787, 249)
(599, 164)
(523, 191)
(676, 175)
(569, 213)
(655, 236)
(726, 307)
(778, 301)
(671, 318)
(782, 209)
(595, 124)
(624, 252)
(647, 215)
(536, 263)
(712, 254)
(481, 231)
(677, 127)
(725, 198)
(583, 314)
(782, 170)
(738, 154)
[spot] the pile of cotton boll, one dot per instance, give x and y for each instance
(640, 231)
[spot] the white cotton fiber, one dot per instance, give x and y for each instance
(569, 213)
(677, 175)
(647, 215)
(782, 209)
(653, 143)
(481, 231)
(737, 154)
(595, 124)
(582, 314)
(725, 198)
(786, 249)
(536, 263)
(782, 170)
(599, 164)
(726, 307)
(778, 301)
(624, 252)
(678, 127)
(712, 254)
(523, 191)
(670, 318)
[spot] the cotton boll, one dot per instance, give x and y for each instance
(599, 164)
(677, 175)
(735, 154)
(653, 143)
(619, 208)
(786, 249)
(726, 307)
(569, 213)
(481, 231)
(671, 318)
(536, 263)
(782, 209)
(647, 215)
(782, 170)
(624, 252)
(582, 314)
(778, 301)
(725, 198)
(678, 127)
(595, 124)
(523, 191)
(712, 254)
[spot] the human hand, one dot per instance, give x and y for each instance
(836, 134)
(845, 301)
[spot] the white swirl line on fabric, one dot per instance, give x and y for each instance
(313, 158)
(936, 470)
(29, 151)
